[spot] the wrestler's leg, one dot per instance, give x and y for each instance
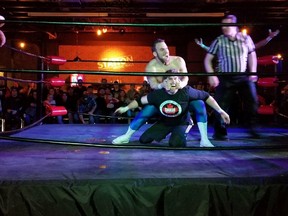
(156, 132)
(178, 136)
(199, 108)
(142, 117)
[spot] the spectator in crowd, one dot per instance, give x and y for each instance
(73, 110)
(47, 103)
(111, 103)
(67, 103)
(145, 89)
(116, 90)
(132, 93)
(30, 112)
(14, 110)
(3, 90)
(87, 106)
(79, 89)
(101, 109)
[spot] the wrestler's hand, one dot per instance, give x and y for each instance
(213, 81)
(2, 38)
(180, 84)
(199, 41)
(273, 34)
(122, 110)
(225, 116)
(165, 85)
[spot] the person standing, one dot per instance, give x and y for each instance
(161, 63)
(234, 52)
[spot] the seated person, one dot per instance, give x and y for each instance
(14, 110)
(87, 106)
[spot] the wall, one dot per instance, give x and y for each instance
(108, 57)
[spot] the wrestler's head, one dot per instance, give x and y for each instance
(160, 51)
(172, 82)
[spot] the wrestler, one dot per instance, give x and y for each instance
(172, 104)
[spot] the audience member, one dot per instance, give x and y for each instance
(30, 112)
(14, 110)
(87, 106)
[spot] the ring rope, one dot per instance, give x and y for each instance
(113, 73)
(146, 147)
(21, 80)
(38, 122)
(131, 24)
(24, 52)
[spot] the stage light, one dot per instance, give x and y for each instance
(104, 30)
(244, 31)
(22, 45)
(279, 56)
(99, 32)
(122, 31)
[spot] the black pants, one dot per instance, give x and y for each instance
(225, 95)
(159, 131)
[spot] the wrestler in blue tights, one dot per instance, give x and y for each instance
(197, 106)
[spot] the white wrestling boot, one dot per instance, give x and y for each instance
(125, 138)
(204, 142)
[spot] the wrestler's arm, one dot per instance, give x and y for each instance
(213, 103)
(200, 43)
(133, 105)
(267, 39)
(153, 82)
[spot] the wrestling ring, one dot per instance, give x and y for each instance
(104, 140)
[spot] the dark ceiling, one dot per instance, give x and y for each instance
(272, 12)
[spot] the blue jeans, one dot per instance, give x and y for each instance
(148, 111)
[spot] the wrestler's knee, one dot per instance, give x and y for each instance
(144, 139)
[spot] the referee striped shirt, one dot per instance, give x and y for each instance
(232, 55)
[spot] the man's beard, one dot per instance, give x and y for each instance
(161, 59)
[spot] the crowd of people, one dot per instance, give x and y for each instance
(84, 104)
